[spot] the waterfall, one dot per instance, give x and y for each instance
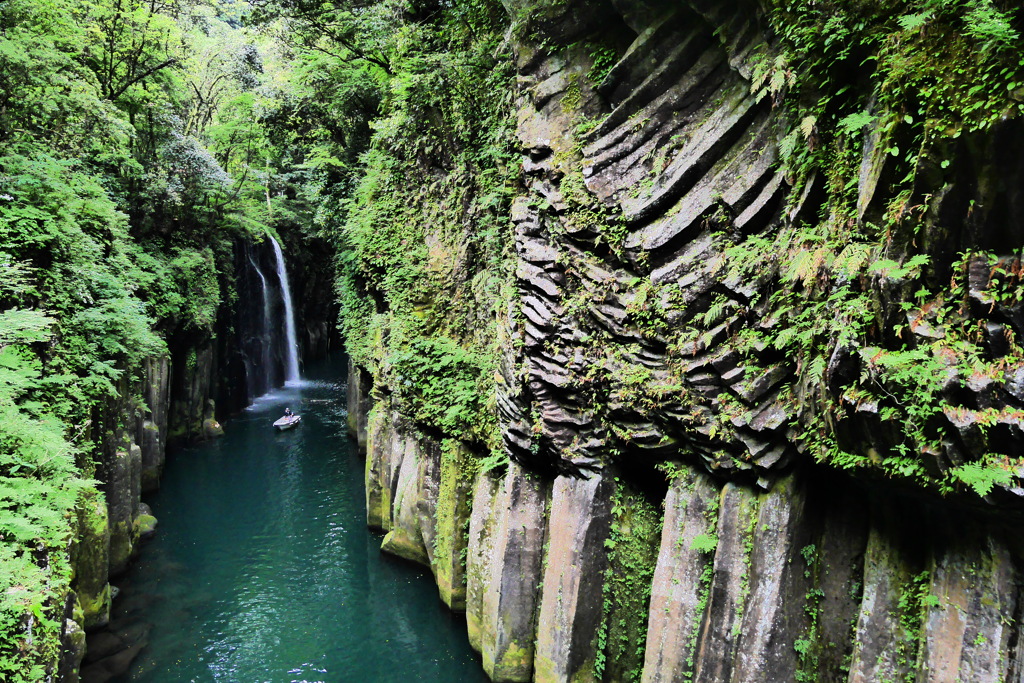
(292, 352)
(265, 334)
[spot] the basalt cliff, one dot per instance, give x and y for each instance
(738, 394)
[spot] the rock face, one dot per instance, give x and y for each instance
(570, 608)
(681, 341)
(814, 579)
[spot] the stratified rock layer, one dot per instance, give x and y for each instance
(638, 357)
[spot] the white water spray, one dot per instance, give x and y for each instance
(265, 338)
(292, 352)
(266, 298)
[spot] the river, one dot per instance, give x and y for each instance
(262, 568)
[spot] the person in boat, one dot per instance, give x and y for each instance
(288, 412)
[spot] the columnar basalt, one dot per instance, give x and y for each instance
(815, 579)
(808, 368)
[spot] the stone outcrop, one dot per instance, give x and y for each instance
(570, 607)
(813, 579)
(668, 256)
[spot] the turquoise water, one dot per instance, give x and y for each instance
(263, 570)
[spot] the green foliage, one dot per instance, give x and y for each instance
(443, 384)
(128, 136)
(39, 485)
(937, 71)
(704, 543)
(407, 136)
(982, 477)
(632, 554)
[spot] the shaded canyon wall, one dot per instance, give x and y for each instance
(614, 576)
(691, 494)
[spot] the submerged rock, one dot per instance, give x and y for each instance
(212, 428)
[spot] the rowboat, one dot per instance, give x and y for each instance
(287, 422)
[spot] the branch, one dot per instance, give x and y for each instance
(148, 72)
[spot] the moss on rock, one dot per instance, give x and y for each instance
(92, 559)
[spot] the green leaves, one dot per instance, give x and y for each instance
(704, 543)
(981, 477)
(853, 123)
(912, 22)
(893, 270)
(445, 385)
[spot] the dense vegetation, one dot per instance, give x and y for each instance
(139, 140)
(888, 109)
(131, 157)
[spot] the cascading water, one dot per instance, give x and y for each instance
(292, 350)
(265, 323)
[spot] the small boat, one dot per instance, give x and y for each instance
(287, 422)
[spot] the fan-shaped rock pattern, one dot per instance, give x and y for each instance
(681, 151)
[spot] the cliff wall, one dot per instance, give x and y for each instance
(613, 576)
(757, 375)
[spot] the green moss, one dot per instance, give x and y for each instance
(402, 543)
(452, 528)
(544, 670)
(427, 253)
(378, 494)
(934, 79)
(632, 556)
(145, 525)
(515, 663)
(92, 558)
(122, 539)
(704, 589)
(96, 608)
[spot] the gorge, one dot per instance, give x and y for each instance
(682, 338)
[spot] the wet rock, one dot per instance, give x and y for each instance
(212, 429)
(379, 443)
(774, 616)
(123, 491)
(509, 605)
(146, 524)
(1014, 383)
(836, 565)
(413, 522)
(873, 158)
(452, 511)
(152, 461)
(479, 553)
(966, 636)
(883, 648)
(91, 558)
(111, 667)
(74, 644)
(358, 403)
(571, 597)
(153, 435)
(729, 589)
(192, 387)
(679, 588)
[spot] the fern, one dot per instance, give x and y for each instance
(855, 122)
(982, 478)
(704, 543)
(912, 22)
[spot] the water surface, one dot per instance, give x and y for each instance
(263, 570)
